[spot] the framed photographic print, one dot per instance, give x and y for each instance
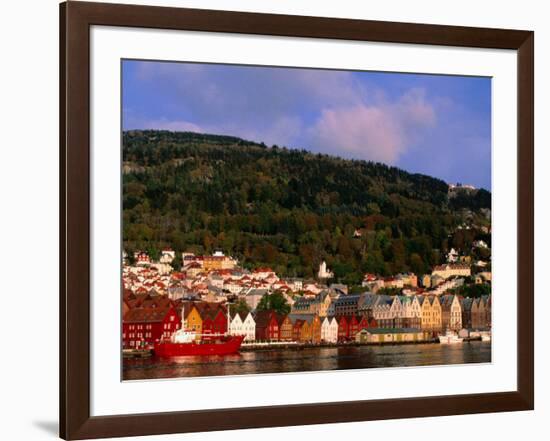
(335, 212)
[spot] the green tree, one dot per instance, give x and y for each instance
(417, 264)
(240, 307)
(177, 262)
(474, 290)
(276, 302)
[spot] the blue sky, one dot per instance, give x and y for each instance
(432, 124)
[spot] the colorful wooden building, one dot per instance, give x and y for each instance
(142, 327)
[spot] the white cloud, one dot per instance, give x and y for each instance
(330, 111)
(360, 132)
(378, 132)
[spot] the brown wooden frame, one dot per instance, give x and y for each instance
(75, 21)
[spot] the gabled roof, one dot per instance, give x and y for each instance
(368, 300)
(467, 303)
(146, 315)
(384, 300)
(309, 318)
(447, 300)
(349, 299)
(341, 318)
(486, 299)
(431, 299)
(159, 302)
(281, 318)
(263, 318)
(242, 315)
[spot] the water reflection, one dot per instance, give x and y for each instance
(309, 359)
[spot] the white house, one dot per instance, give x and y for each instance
(446, 285)
(295, 284)
(236, 325)
(396, 312)
(449, 270)
(243, 324)
(480, 244)
(167, 255)
(329, 330)
(249, 328)
(233, 286)
(452, 256)
(411, 312)
(162, 268)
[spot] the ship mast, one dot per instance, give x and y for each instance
(183, 323)
(228, 316)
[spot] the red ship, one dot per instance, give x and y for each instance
(215, 345)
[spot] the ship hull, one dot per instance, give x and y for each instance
(227, 346)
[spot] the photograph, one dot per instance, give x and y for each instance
(281, 219)
(275, 220)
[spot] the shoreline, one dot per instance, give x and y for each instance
(298, 346)
(264, 347)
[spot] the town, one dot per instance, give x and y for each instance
(213, 295)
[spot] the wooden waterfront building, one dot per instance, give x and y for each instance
(267, 326)
(143, 327)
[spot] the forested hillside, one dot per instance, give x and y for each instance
(285, 208)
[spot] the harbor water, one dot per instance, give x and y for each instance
(307, 359)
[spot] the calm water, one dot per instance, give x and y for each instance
(310, 359)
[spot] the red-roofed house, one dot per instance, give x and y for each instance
(142, 327)
(262, 273)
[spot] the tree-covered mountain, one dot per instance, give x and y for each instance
(286, 208)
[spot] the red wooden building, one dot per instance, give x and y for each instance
(343, 328)
(354, 328)
(267, 326)
(214, 321)
(142, 327)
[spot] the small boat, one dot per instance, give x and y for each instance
(449, 338)
(486, 336)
